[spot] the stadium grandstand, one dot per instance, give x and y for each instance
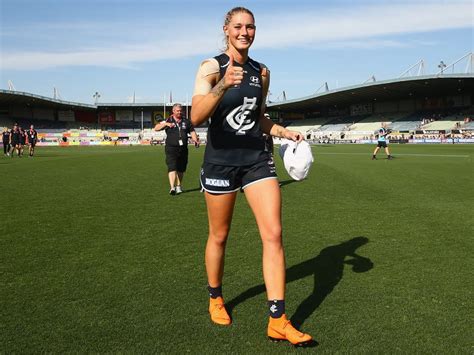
(412, 108)
(416, 109)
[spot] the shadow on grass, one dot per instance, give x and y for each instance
(326, 268)
(286, 182)
(191, 190)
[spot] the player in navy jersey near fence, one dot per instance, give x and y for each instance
(32, 136)
(15, 140)
(6, 142)
(231, 89)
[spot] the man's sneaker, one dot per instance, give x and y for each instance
(389, 157)
(374, 157)
(282, 329)
(178, 190)
(218, 312)
(172, 191)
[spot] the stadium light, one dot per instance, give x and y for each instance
(441, 66)
(96, 97)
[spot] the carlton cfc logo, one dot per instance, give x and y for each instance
(239, 119)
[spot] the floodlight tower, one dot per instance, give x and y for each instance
(96, 97)
(441, 66)
(11, 87)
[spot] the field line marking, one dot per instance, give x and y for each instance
(401, 154)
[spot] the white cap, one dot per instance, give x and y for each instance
(297, 158)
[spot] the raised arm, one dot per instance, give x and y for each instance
(209, 89)
(159, 126)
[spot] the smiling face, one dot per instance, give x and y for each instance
(240, 30)
(177, 111)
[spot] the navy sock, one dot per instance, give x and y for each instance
(276, 308)
(215, 292)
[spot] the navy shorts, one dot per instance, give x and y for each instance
(221, 179)
(382, 144)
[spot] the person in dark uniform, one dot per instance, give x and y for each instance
(177, 129)
(382, 143)
(32, 136)
(231, 90)
(6, 142)
(22, 140)
(15, 140)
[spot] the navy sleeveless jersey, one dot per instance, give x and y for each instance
(234, 137)
(15, 136)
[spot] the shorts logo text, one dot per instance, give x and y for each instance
(217, 182)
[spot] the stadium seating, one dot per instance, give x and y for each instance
(445, 123)
(307, 125)
(408, 122)
(468, 126)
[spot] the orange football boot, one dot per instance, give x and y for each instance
(218, 312)
(282, 329)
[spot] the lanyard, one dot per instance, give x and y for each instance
(179, 126)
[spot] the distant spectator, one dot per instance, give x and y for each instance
(15, 140)
(32, 136)
(382, 143)
(6, 142)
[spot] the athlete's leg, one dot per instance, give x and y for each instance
(219, 211)
(387, 151)
(265, 201)
(376, 150)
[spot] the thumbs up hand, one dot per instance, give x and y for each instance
(234, 74)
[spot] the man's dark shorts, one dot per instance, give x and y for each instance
(176, 158)
(382, 144)
(221, 179)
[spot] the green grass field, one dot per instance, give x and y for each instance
(97, 257)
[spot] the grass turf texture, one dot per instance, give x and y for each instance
(97, 257)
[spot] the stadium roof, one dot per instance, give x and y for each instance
(8, 97)
(395, 89)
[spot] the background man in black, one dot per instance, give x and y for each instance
(177, 129)
(22, 140)
(15, 140)
(6, 142)
(32, 136)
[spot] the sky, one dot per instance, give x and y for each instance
(151, 49)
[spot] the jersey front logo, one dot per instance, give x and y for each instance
(240, 118)
(255, 81)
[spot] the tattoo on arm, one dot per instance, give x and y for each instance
(219, 89)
